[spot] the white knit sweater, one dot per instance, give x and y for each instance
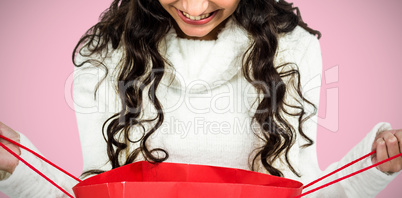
(208, 106)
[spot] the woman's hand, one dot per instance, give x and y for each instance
(388, 144)
(7, 161)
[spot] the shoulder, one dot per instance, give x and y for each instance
(299, 50)
(95, 72)
(294, 45)
(108, 59)
(299, 38)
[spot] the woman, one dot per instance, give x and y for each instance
(204, 42)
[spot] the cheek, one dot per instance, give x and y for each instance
(165, 3)
(166, 6)
(229, 5)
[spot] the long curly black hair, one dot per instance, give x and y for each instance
(138, 27)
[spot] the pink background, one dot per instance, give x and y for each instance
(360, 47)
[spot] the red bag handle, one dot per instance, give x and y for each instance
(347, 176)
(33, 168)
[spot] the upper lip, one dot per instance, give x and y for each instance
(198, 15)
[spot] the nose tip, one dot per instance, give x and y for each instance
(195, 7)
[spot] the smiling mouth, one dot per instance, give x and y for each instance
(197, 18)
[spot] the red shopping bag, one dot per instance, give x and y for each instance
(173, 180)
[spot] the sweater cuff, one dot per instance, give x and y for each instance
(21, 173)
(378, 178)
(24, 182)
(386, 178)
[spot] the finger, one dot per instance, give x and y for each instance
(379, 135)
(392, 149)
(8, 132)
(382, 154)
(393, 131)
(375, 143)
(391, 144)
(5, 129)
(398, 135)
(1, 139)
(2, 127)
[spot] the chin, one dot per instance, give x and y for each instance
(196, 33)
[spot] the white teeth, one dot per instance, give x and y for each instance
(196, 18)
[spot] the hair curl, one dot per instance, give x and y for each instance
(138, 26)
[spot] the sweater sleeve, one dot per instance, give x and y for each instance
(91, 113)
(366, 184)
(93, 106)
(24, 182)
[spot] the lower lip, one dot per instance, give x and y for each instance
(199, 22)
